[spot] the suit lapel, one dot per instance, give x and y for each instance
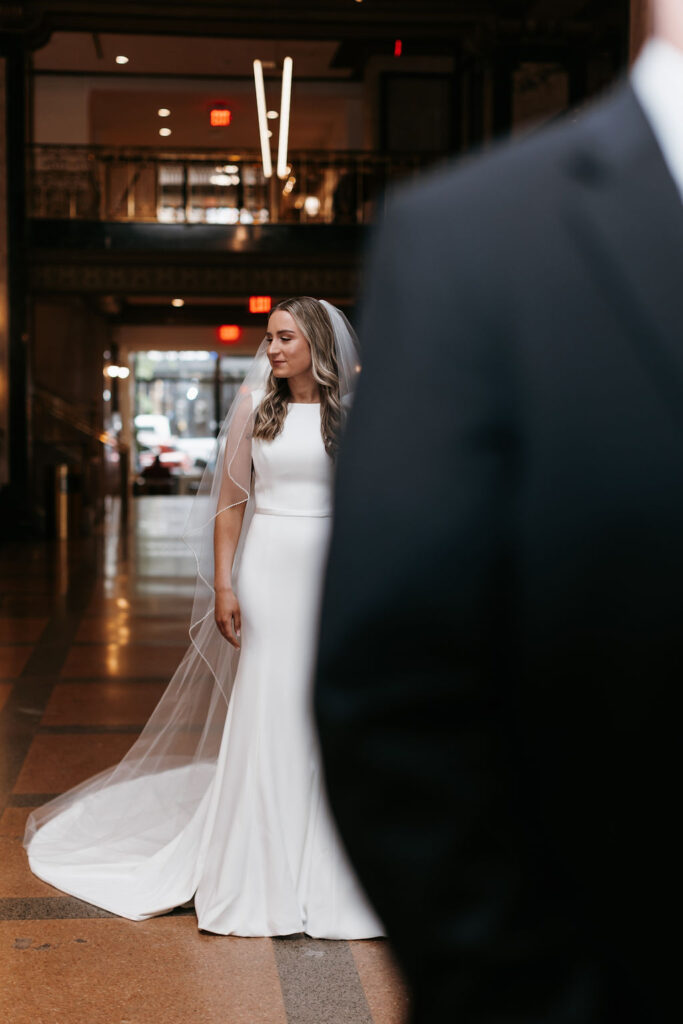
(629, 216)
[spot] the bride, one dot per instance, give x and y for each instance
(221, 798)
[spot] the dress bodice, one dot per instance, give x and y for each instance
(293, 473)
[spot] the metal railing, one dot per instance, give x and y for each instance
(210, 187)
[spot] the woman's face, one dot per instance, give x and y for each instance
(288, 351)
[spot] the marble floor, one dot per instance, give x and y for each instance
(90, 631)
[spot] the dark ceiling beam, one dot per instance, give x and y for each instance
(557, 10)
(300, 19)
(35, 20)
(235, 312)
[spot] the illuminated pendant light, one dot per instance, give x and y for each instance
(285, 103)
(262, 119)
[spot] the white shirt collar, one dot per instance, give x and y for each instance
(657, 78)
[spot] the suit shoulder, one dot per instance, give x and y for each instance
(511, 170)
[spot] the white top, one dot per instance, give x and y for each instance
(657, 78)
(293, 474)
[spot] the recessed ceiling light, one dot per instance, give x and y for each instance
(272, 114)
(122, 60)
(164, 131)
(177, 303)
(164, 112)
(269, 134)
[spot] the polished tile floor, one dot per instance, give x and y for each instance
(90, 631)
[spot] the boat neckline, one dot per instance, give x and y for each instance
(303, 403)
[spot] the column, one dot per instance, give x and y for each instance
(15, 511)
(4, 298)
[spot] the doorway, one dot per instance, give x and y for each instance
(179, 400)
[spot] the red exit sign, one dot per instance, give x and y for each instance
(220, 118)
(229, 333)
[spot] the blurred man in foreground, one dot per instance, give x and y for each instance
(502, 634)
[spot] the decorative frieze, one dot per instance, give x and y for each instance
(126, 277)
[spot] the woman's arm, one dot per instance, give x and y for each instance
(226, 534)
(232, 499)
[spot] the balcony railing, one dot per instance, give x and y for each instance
(209, 187)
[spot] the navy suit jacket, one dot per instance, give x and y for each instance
(502, 628)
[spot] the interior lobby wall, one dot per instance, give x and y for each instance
(89, 110)
(69, 339)
(135, 338)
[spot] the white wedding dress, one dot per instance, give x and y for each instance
(258, 851)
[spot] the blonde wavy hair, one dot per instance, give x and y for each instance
(314, 323)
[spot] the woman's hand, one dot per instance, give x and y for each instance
(228, 616)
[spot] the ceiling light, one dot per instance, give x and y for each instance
(122, 60)
(224, 179)
(164, 112)
(269, 134)
(284, 117)
(312, 206)
(177, 303)
(262, 118)
(164, 131)
(272, 114)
